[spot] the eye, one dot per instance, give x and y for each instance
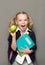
(25, 20)
(20, 20)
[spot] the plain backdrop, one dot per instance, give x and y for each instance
(36, 9)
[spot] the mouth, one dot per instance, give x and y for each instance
(22, 25)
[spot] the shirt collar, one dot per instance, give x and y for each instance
(21, 31)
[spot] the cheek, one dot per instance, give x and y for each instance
(18, 24)
(26, 23)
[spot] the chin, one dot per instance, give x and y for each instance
(23, 30)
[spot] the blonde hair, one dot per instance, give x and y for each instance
(12, 22)
(30, 24)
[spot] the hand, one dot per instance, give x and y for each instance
(27, 51)
(19, 53)
(12, 34)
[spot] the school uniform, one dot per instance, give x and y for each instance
(12, 54)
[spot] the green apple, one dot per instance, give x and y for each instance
(13, 28)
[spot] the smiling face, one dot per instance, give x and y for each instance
(22, 21)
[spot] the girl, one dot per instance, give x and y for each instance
(23, 22)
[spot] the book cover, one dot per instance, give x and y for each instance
(24, 41)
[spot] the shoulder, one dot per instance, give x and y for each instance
(31, 32)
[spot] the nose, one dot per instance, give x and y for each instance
(23, 21)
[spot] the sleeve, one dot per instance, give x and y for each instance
(33, 37)
(10, 50)
(9, 40)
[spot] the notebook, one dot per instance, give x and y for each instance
(24, 41)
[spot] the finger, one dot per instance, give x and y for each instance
(9, 31)
(17, 51)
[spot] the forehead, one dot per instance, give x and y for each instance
(22, 16)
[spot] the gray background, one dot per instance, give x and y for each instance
(35, 8)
